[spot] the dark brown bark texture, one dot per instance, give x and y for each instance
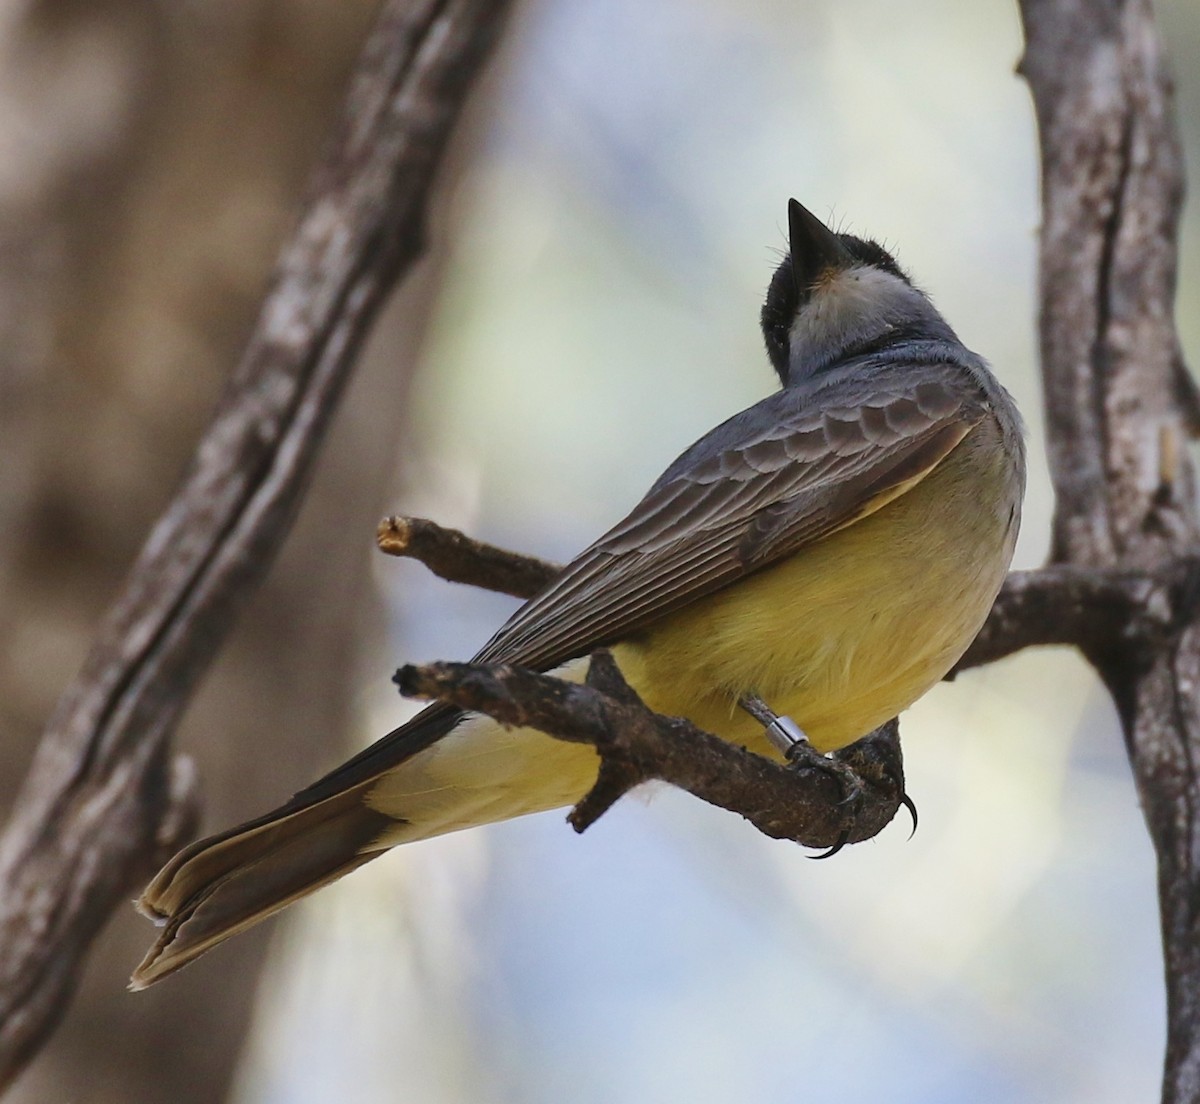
(104, 798)
(457, 558)
(132, 265)
(812, 803)
(1120, 411)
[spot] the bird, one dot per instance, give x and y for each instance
(831, 552)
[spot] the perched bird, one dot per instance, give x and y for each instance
(830, 551)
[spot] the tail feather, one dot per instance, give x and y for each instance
(220, 886)
(401, 789)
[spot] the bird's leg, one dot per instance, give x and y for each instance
(783, 733)
(786, 735)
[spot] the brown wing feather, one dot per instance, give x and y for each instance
(734, 513)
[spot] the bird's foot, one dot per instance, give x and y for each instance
(790, 739)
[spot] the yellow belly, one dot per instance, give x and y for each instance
(849, 632)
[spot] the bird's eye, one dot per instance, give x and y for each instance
(777, 314)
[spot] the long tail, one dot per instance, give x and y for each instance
(439, 773)
(219, 886)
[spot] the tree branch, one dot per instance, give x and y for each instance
(1089, 607)
(806, 804)
(1120, 409)
(454, 556)
(99, 803)
(1112, 186)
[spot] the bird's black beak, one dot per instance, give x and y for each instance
(814, 247)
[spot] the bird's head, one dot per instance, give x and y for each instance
(835, 295)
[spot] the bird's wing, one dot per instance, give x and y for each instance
(764, 494)
(763, 485)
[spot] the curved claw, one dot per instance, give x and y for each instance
(907, 802)
(804, 755)
(843, 839)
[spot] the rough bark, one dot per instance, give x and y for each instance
(807, 803)
(1120, 409)
(98, 806)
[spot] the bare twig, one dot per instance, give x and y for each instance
(458, 558)
(1088, 607)
(99, 797)
(635, 745)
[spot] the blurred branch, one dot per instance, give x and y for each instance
(806, 803)
(454, 556)
(103, 794)
(1087, 607)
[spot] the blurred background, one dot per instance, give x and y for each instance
(606, 225)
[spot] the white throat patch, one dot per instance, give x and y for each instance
(856, 305)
